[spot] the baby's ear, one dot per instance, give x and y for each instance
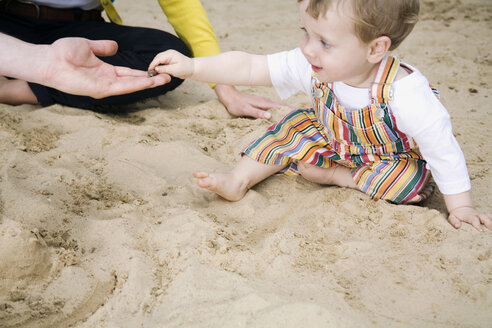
(378, 49)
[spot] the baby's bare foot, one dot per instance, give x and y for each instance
(225, 185)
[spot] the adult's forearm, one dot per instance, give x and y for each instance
(22, 60)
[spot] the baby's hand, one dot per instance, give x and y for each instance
(471, 216)
(173, 63)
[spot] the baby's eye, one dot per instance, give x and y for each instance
(325, 44)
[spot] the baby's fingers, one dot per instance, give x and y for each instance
(473, 220)
(454, 221)
(161, 59)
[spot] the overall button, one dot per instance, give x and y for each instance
(318, 93)
(379, 112)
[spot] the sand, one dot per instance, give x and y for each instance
(102, 224)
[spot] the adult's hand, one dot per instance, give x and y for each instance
(243, 104)
(72, 67)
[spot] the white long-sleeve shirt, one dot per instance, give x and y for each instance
(418, 113)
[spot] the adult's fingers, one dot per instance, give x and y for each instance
(256, 113)
(160, 79)
(126, 85)
(265, 103)
(130, 84)
(127, 71)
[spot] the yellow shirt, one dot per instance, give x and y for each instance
(188, 19)
(191, 24)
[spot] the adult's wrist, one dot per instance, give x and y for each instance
(22, 60)
(44, 71)
(225, 93)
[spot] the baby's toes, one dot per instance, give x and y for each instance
(200, 175)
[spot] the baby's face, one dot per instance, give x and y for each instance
(332, 48)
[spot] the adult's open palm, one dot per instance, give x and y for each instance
(74, 68)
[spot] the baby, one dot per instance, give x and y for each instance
(376, 125)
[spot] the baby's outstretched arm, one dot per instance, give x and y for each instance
(461, 209)
(230, 68)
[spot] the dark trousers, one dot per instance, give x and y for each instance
(136, 48)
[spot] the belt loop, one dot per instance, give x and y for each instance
(38, 10)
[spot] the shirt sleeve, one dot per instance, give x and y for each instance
(290, 72)
(420, 115)
(191, 24)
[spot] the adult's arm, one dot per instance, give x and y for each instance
(191, 24)
(70, 65)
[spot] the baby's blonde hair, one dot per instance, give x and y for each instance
(374, 18)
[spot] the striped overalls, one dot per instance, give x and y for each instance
(385, 163)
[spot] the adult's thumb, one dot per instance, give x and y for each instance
(103, 47)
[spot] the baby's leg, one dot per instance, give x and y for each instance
(338, 175)
(16, 92)
(234, 184)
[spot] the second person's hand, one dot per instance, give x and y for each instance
(242, 104)
(72, 66)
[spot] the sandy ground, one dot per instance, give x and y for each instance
(103, 226)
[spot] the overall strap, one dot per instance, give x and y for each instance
(111, 11)
(381, 91)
